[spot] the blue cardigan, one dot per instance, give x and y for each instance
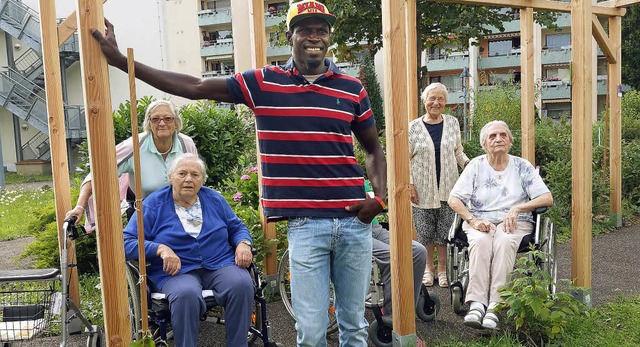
(214, 248)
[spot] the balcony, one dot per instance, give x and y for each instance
(214, 17)
(225, 73)
(219, 47)
(510, 59)
(275, 51)
(349, 69)
(453, 61)
(556, 56)
(273, 20)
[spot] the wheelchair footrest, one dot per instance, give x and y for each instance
(160, 304)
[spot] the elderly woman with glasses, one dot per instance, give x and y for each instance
(160, 144)
(495, 195)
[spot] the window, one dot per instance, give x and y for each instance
(501, 78)
(500, 47)
(558, 41)
(452, 82)
(557, 74)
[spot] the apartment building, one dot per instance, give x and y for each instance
(496, 59)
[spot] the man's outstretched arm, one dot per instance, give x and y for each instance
(175, 83)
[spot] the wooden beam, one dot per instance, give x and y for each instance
(57, 134)
(394, 35)
(527, 81)
(618, 3)
(615, 121)
(97, 101)
(548, 5)
(68, 27)
(259, 55)
(581, 146)
(603, 40)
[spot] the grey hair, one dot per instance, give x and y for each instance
(188, 157)
(434, 86)
(146, 125)
(485, 129)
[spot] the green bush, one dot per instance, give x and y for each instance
(531, 307)
(45, 249)
(631, 171)
(631, 115)
(221, 136)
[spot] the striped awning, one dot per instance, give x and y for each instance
(502, 36)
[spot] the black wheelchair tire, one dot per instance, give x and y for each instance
(135, 314)
(95, 339)
(381, 336)
(427, 311)
(456, 299)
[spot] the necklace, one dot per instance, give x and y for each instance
(169, 150)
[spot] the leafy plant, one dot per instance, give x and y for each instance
(370, 82)
(221, 136)
(531, 307)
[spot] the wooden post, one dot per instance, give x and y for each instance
(57, 133)
(615, 119)
(95, 81)
(527, 81)
(581, 146)
(259, 55)
(412, 77)
(142, 261)
(394, 31)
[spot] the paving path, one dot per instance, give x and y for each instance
(615, 271)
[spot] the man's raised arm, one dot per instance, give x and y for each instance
(175, 83)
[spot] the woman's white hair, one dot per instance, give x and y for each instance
(188, 157)
(434, 86)
(146, 124)
(485, 130)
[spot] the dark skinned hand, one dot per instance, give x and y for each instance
(108, 44)
(366, 209)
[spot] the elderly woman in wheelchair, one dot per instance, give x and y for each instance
(194, 241)
(495, 195)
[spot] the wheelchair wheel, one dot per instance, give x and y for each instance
(428, 305)
(550, 247)
(284, 280)
(381, 335)
(95, 339)
(135, 315)
(456, 299)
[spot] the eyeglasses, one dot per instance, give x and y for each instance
(167, 120)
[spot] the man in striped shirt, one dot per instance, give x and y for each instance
(306, 112)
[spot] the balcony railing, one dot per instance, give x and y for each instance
(214, 17)
(218, 47)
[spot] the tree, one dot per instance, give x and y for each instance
(370, 82)
(630, 48)
(359, 25)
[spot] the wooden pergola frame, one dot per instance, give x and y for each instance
(400, 76)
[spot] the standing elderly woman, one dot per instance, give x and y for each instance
(194, 241)
(495, 196)
(434, 149)
(160, 145)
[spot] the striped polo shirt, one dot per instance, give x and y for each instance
(304, 133)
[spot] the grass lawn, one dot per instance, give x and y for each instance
(13, 178)
(16, 209)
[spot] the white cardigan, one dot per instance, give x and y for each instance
(423, 163)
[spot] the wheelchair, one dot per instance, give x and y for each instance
(381, 328)
(543, 238)
(160, 315)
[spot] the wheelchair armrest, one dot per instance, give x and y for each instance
(457, 222)
(540, 210)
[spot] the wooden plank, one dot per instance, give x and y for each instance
(413, 99)
(394, 33)
(259, 55)
(142, 261)
(556, 6)
(95, 82)
(527, 81)
(581, 146)
(603, 40)
(57, 134)
(615, 120)
(67, 28)
(618, 3)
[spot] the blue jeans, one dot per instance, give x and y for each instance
(323, 250)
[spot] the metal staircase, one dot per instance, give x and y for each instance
(21, 88)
